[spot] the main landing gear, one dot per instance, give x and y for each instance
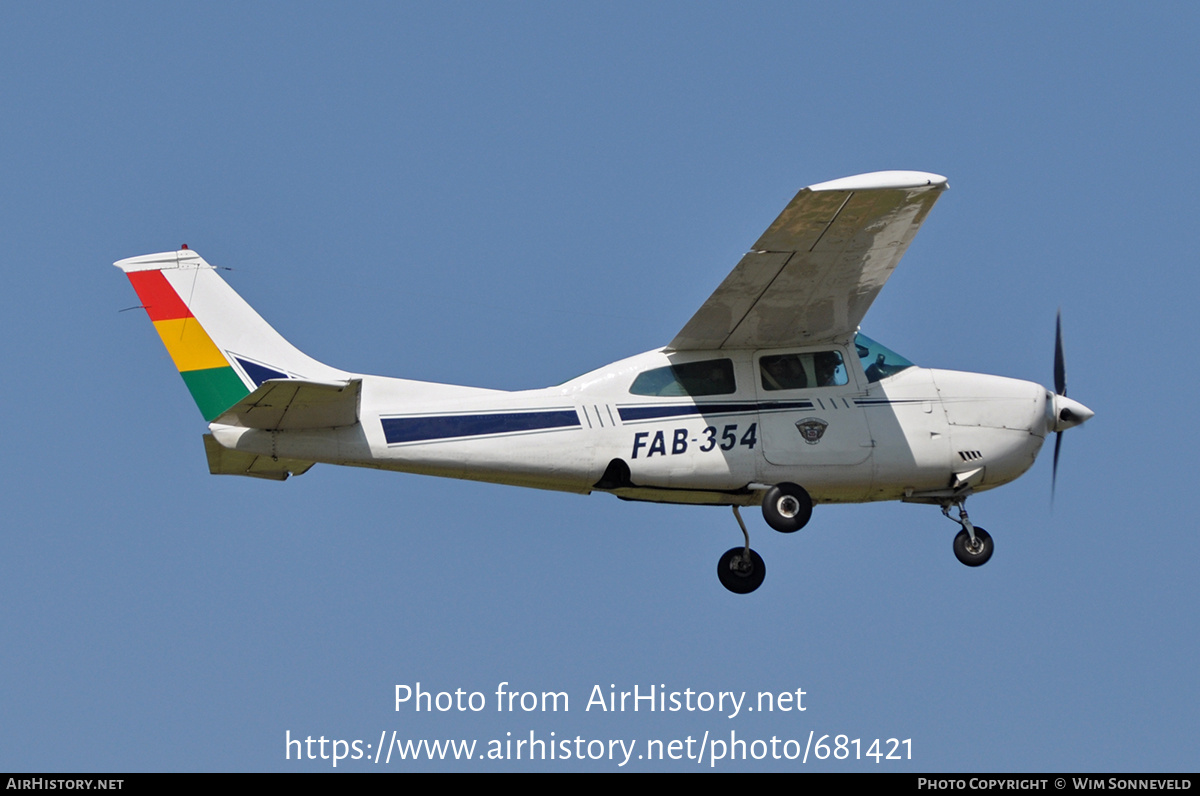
(787, 508)
(741, 570)
(972, 545)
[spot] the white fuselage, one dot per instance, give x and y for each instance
(917, 432)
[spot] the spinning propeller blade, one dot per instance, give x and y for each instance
(1054, 472)
(1060, 366)
(1066, 413)
(1060, 388)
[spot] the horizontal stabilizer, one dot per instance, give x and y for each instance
(296, 404)
(223, 461)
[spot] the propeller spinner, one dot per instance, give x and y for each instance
(1066, 413)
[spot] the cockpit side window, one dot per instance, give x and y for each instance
(710, 377)
(800, 371)
(879, 361)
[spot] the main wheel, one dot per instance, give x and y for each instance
(973, 555)
(739, 574)
(787, 507)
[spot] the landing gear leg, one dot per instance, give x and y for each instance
(972, 545)
(741, 570)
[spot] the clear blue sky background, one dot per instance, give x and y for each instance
(508, 195)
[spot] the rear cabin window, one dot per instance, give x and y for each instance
(711, 377)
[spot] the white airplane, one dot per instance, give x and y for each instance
(769, 396)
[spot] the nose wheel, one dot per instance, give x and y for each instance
(973, 552)
(972, 545)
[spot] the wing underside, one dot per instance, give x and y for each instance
(813, 274)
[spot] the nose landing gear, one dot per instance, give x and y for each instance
(972, 545)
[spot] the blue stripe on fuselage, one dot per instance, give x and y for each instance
(683, 410)
(417, 429)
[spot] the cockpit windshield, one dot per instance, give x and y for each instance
(879, 361)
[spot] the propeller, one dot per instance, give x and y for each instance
(1060, 388)
(1067, 413)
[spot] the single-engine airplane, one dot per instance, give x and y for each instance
(769, 396)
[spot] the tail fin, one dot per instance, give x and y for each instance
(221, 346)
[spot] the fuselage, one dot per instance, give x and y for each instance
(767, 396)
(699, 427)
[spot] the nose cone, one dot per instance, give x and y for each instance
(1068, 414)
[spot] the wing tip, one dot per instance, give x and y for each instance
(883, 180)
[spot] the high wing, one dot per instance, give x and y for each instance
(813, 274)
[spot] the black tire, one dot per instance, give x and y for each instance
(736, 576)
(973, 558)
(787, 507)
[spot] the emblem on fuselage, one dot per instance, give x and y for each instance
(812, 429)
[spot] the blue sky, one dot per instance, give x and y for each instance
(508, 195)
